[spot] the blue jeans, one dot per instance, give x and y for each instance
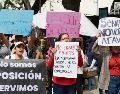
(114, 85)
(64, 89)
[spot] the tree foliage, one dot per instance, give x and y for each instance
(23, 4)
(13, 4)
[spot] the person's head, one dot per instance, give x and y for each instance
(104, 49)
(64, 37)
(115, 49)
(19, 38)
(80, 40)
(19, 48)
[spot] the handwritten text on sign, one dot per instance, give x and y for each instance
(63, 22)
(18, 22)
(110, 31)
(66, 59)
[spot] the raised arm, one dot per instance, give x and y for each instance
(95, 48)
(31, 42)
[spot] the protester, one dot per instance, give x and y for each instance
(18, 51)
(4, 46)
(62, 85)
(35, 52)
(114, 67)
(29, 46)
(102, 54)
(80, 79)
(89, 43)
(49, 72)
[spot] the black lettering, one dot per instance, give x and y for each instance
(118, 40)
(60, 62)
(107, 32)
(56, 66)
(104, 41)
(103, 23)
(68, 66)
(114, 40)
(115, 23)
(108, 39)
(116, 31)
(109, 22)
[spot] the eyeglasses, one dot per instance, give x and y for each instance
(64, 38)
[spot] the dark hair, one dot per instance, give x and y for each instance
(18, 37)
(60, 36)
(110, 48)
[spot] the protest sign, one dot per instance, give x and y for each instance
(110, 31)
(22, 76)
(18, 22)
(66, 59)
(39, 20)
(63, 22)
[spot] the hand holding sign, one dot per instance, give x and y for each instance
(97, 34)
(79, 49)
(54, 50)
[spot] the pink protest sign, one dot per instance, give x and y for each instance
(63, 22)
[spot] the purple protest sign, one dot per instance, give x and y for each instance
(63, 22)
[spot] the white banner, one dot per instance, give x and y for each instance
(66, 59)
(110, 31)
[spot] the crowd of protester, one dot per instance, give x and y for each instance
(106, 60)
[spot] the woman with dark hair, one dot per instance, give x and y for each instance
(63, 85)
(18, 51)
(63, 37)
(102, 55)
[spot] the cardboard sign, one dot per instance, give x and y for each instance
(63, 22)
(110, 31)
(66, 59)
(18, 22)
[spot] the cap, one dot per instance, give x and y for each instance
(18, 43)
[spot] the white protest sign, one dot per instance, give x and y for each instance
(66, 59)
(87, 28)
(110, 31)
(39, 20)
